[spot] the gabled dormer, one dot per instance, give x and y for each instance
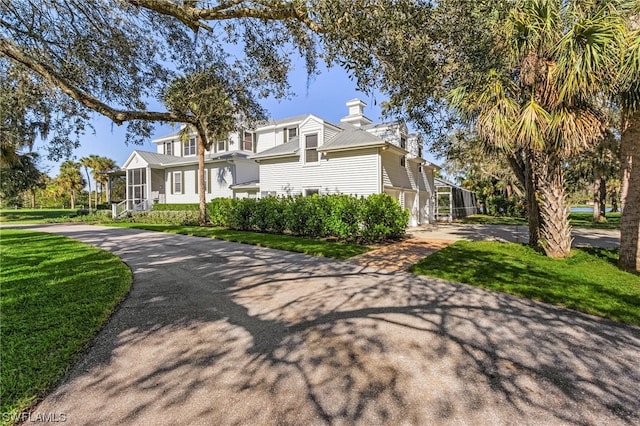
(314, 133)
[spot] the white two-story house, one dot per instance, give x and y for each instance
(300, 155)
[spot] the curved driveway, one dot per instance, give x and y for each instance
(227, 334)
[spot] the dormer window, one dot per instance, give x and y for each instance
(403, 142)
(311, 149)
(420, 152)
(291, 133)
(189, 147)
(168, 148)
(248, 142)
(221, 146)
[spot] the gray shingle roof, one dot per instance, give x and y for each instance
(280, 121)
(155, 159)
(351, 137)
(286, 149)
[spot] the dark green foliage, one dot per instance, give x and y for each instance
(175, 207)
(306, 216)
(181, 218)
(347, 218)
(499, 205)
(241, 217)
(219, 211)
(343, 219)
(383, 218)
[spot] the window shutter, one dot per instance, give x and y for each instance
(208, 177)
(171, 181)
(197, 180)
(182, 183)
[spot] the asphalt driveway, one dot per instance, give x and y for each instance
(228, 334)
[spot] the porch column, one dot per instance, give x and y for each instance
(148, 186)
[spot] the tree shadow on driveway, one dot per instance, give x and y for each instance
(223, 333)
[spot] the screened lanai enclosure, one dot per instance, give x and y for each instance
(453, 202)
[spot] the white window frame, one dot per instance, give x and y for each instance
(224, 146)
(189, 147)
(307, 149)
(289, 136)
(253, 141)
(170, 146)
(311, 191)
(174, 182)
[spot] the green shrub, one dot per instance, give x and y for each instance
(175, 207)
(241, 215)
(268, 215)
(306, 216)
(383, 218)
(343, 216)
(183, 218)
(219, 211)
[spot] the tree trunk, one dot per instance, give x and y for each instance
(599, 198)
(86, 170)
(533, 207)
(630, 165)
(202, 218)
(603, 200)
(555, 230)
(33, 198)
(73, 199)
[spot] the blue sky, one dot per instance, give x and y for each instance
(325, 96)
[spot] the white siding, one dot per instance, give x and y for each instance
(219, 176)
(393, 174)
(348, 172)
(246, 171)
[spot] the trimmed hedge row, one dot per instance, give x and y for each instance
(176, 207)
(179, 218)
(375, 218)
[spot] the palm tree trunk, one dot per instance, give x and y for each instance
(555, 229)
(533, 207)
(86, 170)
(630, 221)
(73, 199)
(599, 198)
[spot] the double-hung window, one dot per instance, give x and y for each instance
(291, 133)
(177, 182)
(222, 146)
(311, 148)
(168, 148)
(189, 147)
(248, 142)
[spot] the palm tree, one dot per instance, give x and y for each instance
(628, 98)
(70, 180)
(90, 162)
(102, 164)
(545, 103)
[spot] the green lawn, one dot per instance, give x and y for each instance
(588, 281)
(332, 249)
(56, 293)
(33, 216)
(578, 220)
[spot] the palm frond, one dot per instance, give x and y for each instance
(588, 55)
(530, 129)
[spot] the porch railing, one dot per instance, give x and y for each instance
(119, 209)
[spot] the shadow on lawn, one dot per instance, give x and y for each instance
(222, 333)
